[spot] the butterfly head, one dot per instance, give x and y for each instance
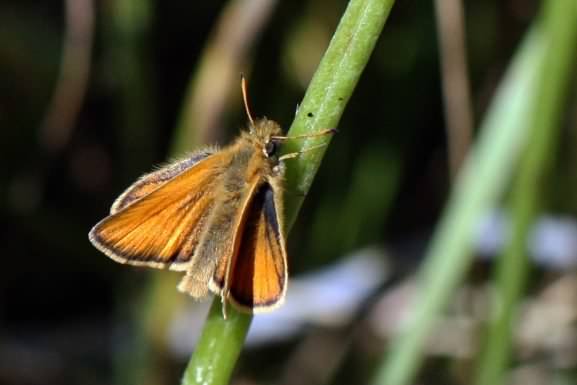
(264, 132)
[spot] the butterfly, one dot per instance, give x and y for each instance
(215, 215)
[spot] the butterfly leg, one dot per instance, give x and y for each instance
(223, 301)
(295, 154)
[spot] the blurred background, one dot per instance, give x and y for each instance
(96, 93)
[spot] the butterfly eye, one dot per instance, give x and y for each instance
(270, 148)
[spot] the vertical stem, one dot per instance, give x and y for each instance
(455, 80)
(558, 25)
(478, 186)
(131, 69)
(127, 51)
(219, 352)
(322, 107)
(68, 96)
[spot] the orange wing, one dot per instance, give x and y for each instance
(258, 275)
(158, 221)
(150, 182)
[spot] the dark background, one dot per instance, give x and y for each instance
(383, 181)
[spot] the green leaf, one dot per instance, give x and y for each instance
(477, 190)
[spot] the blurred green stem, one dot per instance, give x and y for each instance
(131, 71)
(455, 80)
(478, 187)
(127, 51)
(558, 27)
(217, 75)
(324, 102)
(68, 97)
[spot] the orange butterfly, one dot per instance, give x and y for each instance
(216, 215)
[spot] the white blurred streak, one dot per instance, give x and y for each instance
(332, 296)
(328, 297)
(552, 244)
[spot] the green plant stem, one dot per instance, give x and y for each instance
(480, 183)
(329, 91)
(558, 25)
(323, 104)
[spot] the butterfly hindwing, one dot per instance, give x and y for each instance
(164, 229)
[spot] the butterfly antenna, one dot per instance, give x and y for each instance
(245, 99)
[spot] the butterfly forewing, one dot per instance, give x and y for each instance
(152, 181)
(258, 276)
(164, 229)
